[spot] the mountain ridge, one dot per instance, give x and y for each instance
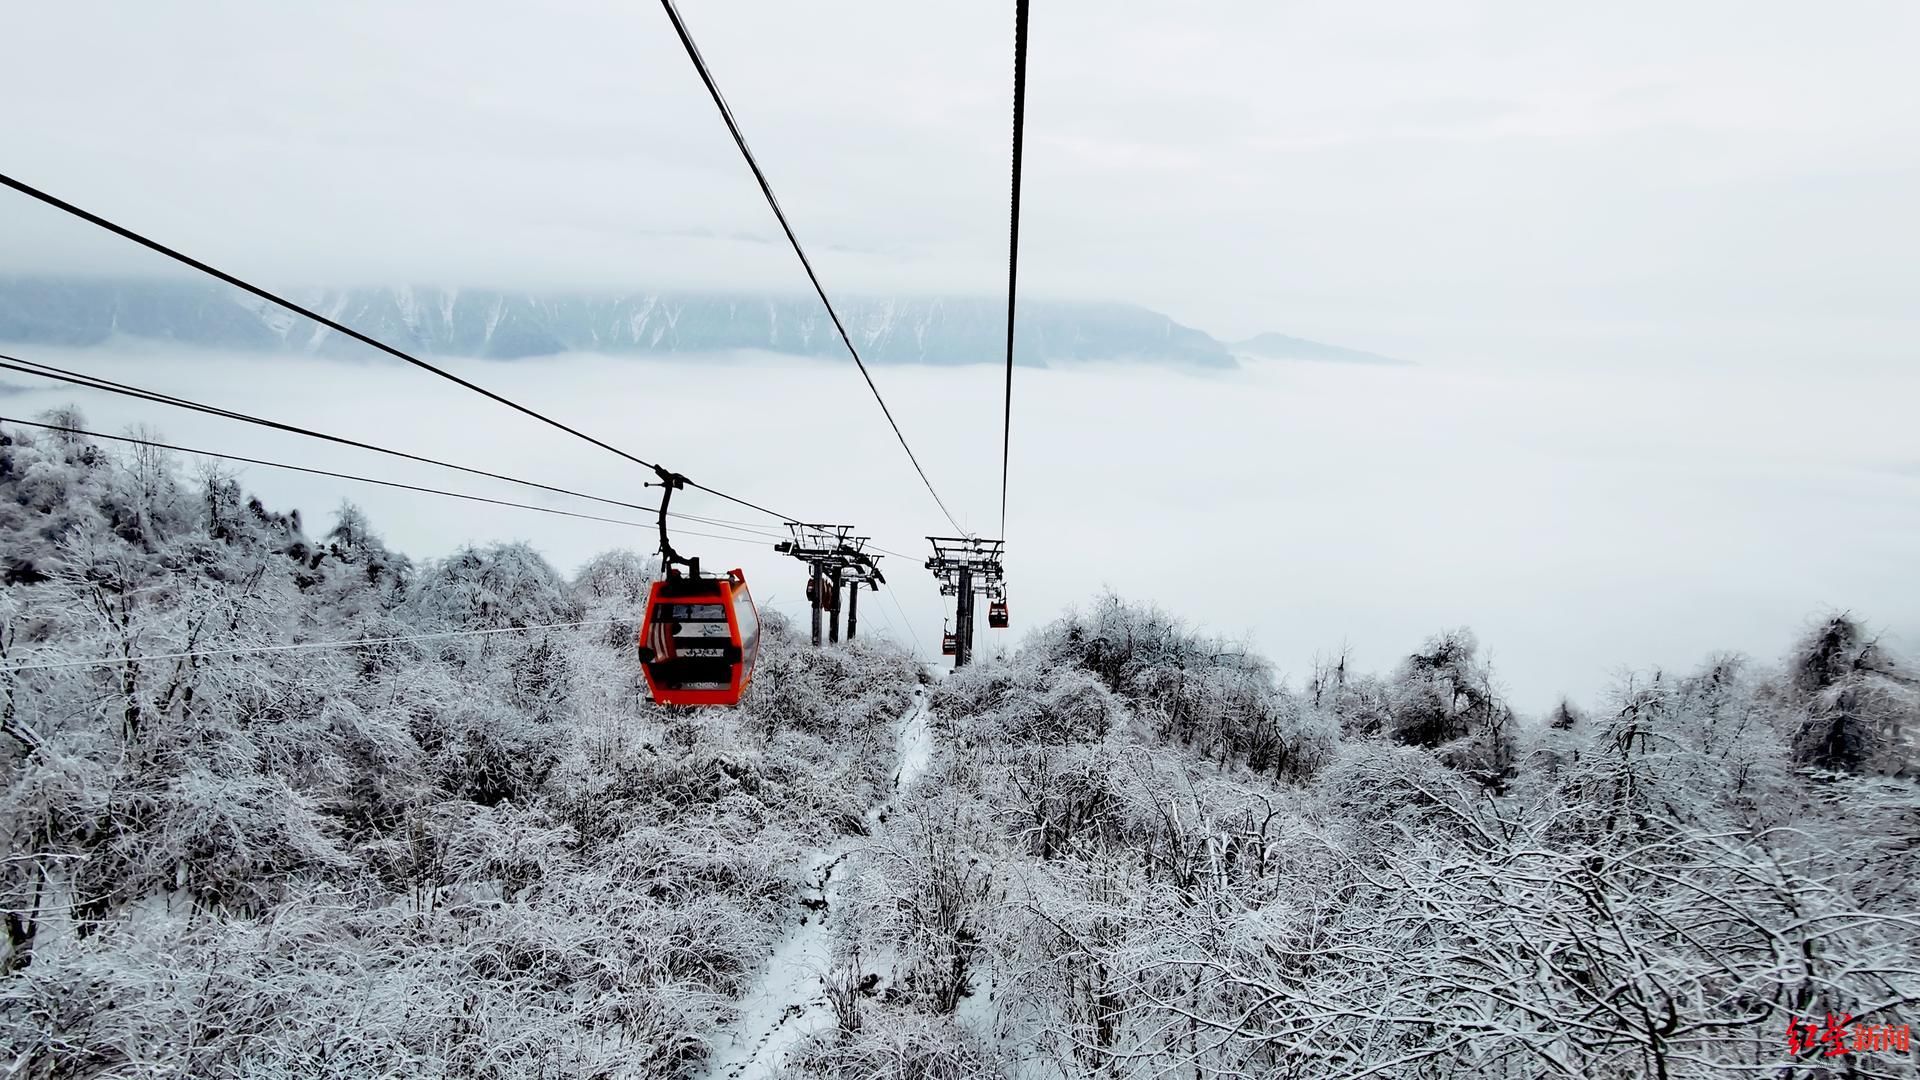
(516, 325)
(505, 325)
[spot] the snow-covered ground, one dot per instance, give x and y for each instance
(788, 1002)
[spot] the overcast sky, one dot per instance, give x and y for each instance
(1522, 182)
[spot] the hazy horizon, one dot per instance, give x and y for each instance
(1579, 525)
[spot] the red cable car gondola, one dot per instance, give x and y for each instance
(699, 640)
(949, 644)
(997, 614)
(700, 635)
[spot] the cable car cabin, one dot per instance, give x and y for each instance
(828, 597)
(699, 640)
(950, 644)
(997, 615)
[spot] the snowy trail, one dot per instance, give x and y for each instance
(787, 1002)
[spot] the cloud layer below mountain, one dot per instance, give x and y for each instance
(1576, 522)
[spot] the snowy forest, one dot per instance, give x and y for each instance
(468, 846)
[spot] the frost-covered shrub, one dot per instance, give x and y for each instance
(503, 585)
(928, 897)
(1024, 702)
(1443, 698)
(899, 1044)
(1393, 789)
(613, 586)
(1200, 692)
(853, 693)
(1857, 706)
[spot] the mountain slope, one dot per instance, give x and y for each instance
(1282, 347)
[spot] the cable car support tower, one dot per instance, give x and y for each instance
(835, 559)
(965, 566)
